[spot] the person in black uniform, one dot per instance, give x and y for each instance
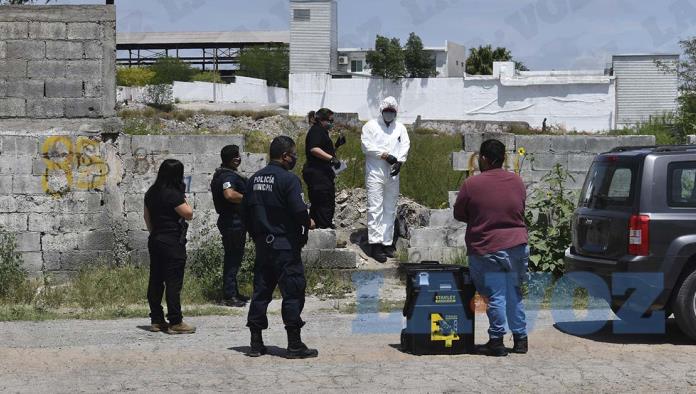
(166, 213)
(278, 222)
(318, 172)
(228, 188)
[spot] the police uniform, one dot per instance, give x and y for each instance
(320, 177)
(231, 226)
(278, 222)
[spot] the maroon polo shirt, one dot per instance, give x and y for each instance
(492, 204)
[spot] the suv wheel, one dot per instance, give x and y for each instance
(684, 306)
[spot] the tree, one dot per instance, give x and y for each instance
(480, 60)
(271, 64)
(134, 76)
(685, 68)
(387, 60)
(419, 63)
(170, 69)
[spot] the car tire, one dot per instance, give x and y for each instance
(684, 306)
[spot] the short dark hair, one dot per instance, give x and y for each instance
(228, 153)
(280, 145)
(323, 114)
(494, 151)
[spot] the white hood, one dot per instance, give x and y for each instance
(389, 102)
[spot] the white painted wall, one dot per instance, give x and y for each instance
(586, 105)
(244, 90)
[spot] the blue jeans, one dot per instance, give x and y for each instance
(498, 277)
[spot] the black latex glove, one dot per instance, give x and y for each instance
(335, 163)
(340, 141)
(391, 160)
(396, 169)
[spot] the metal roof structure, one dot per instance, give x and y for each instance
(196, 40)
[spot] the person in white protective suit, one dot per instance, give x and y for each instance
(385, 144)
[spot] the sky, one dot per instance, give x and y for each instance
(544, 34)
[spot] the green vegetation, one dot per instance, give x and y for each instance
(387, 59)
(271, 64)
(419, 63)
(112, 292)
(664, 128)
(207, 76)
(170, 69)
(134, 76)
(480, 60)
(548, 220)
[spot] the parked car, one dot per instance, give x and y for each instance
(637, 214)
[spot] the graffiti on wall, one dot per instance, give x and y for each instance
(72, 165)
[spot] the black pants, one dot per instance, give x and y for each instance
(233, 241)
(281, 268)
(321, 188)
(167, 265)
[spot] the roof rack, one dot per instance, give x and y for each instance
(656, 148)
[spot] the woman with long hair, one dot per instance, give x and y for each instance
(166, 216)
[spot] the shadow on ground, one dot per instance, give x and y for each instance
(615, 331)
(273, 351)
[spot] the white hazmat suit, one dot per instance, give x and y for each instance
(382, 188)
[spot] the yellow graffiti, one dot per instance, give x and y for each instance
(517, 162)
(62, 158)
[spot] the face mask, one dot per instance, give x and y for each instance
(293, 162)
(388, 116)
(330, 125)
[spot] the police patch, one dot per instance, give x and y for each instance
(226, 185)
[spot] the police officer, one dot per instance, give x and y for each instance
(318, 172)
(228, 188)
(278, 222)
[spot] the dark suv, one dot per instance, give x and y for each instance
(635, 227)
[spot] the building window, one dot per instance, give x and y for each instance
(301, 15)
(356, 66)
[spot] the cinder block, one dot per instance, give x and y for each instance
(444, 255)
(3, 49)
(51, 260)
(82, 108)
(93, 50)
(84, 69)
(12, 107)
(253, 162)
(568, 143)
(546, 161)
(472, 142)
(75, 260)
(83, 202)
(97, 240)
(46, 69)
(456, 237)
(139, 258)
(12, 68)
(533, 144)
(93, 89)
(444, 218)
(14, 221)
(27, 184)
(20, 146)
(25, 49)
(460, 160)
(134, 202)
(45, 108)
(429, 237)
(28, 242)
(638, 140)
(136, 222)
(25, 88)
(64, 50)
(48, 30)
(321, 239)
(5, 182)
(69, 223)
(14, 30)
(32, 262)
(601, 144)
(507, 139)
(84, 31)
(200, 183)
(203, 202)
(138, 239)
(64, 88)
(580, 162)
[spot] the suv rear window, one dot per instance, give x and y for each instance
(610, 185)
(681, 182)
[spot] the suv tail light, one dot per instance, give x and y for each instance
(639, 235)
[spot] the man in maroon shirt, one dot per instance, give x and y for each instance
(492, 204)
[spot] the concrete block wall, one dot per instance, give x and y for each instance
(73, 200)
(57, 61)
(443, 240)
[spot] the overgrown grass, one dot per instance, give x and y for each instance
(662, 127)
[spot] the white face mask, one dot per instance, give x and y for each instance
(388, 116)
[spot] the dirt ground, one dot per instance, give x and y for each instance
(357, 354)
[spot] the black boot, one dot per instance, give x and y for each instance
(297, 349)
(378, 253)
(521, 344)
(389, 250)
(258, 349)
(496, 348)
